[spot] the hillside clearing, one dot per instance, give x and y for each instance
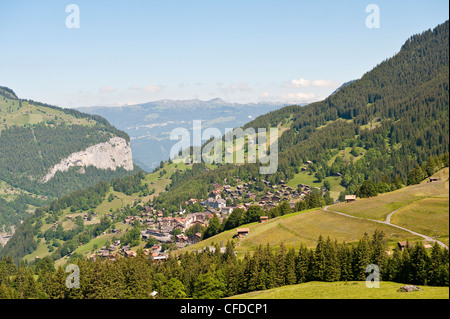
(380, 206)
(345, 290)
(306, 226)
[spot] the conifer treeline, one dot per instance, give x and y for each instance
(213, 274)
(398, 112)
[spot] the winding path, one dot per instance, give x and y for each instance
(388, 222)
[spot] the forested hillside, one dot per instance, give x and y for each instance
(379, 128)
(397, 112)
(213, 275)
(33, 138)
(380, 133)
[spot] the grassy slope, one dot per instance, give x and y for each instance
(305, 227)
(11, 114)
(422, 207)
(345, 290)
(309, 179)
(380, 206)
(9, 192)
(15, 112)
(429, 216)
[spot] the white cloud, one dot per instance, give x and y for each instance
(299, 83)
(299, 97)
(107, 89)
(302, 83)
(152, 88)
(324, 83)
(234, 88)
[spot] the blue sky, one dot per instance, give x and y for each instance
(128, 52)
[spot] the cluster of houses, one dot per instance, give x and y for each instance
(221, 202)
(278, 193)
(114, 251)
(163, 228)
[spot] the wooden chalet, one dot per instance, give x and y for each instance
(241, 232)
(350, 198)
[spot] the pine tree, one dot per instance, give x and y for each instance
(318, 262)
(430, 166)
(301, 264)
(229, 255)
(112, 280)
(261, 279)
(24, 283)
(393, 267)
(361, 258)
(344, 256)
(269, 266)
(56, 284)
(405, 265)
(416, 175)
(208, 287)
(232, 275)
(280, 266)
(174, 289)
(419, 265)
(291, 277)
(252, 274)
(434, 269)
(378, 249)
(332, 270)
(213, 228)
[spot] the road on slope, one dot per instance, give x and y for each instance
(388, 222)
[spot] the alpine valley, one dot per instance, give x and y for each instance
(149, 124)
(362, 179)
(47, 152)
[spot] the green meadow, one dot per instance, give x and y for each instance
(346, 290)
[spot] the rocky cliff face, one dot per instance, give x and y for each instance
(110, 155)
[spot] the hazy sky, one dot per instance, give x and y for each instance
(127, 52)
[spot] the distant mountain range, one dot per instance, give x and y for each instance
(149, 124)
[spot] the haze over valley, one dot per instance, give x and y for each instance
(149, 124)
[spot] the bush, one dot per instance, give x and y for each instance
(367, 189)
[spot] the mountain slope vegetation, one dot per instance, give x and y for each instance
(33, 138)
(397, 113)
(379, 128)
(375, 135)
